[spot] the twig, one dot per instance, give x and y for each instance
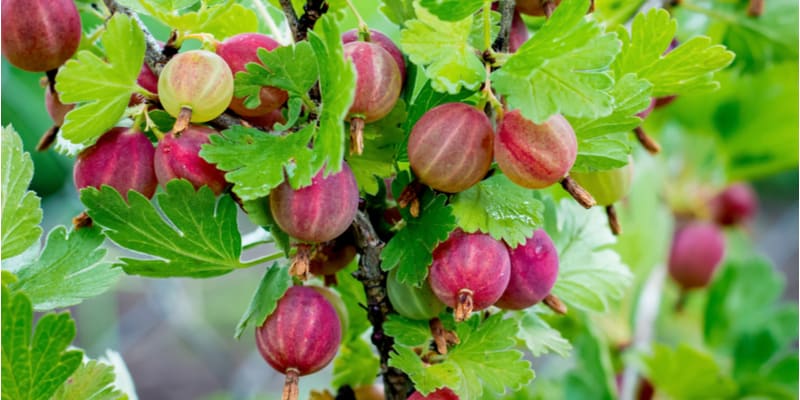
(153, 55)
(314, 9)
(291, 18)
(396, 383)
(507, 15)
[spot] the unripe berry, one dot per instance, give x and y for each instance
(533, 155)
(241, 49)
(413, 302)
(319, 212)
(736, 204)
(470, 271)
(381, 40)
(534, 269)
(607, 187)
(378, 84)
(39, 35)
(178, 157)
(697, 250)
(123, 159)
(450, 147)
(198, 80)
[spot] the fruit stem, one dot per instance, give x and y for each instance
(356, 135)
(51, 79)
(257, 261)
(291, 389)
(487, 24)
(555, 304)
(613, 222)
(300, 262)
(647, 142)
(182, 122)
(755, 8)
(465, 305)
(441, 336)
(410, 195)
(48, 137)
(577, 192)
(363, 29)
(680, 304)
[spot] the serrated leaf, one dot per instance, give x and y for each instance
(452, 10)
(259, 213)
(34, 366)
(539, 337)
(352, 294)
(411, 248)
(686, 373)
(443, 48)
(288, 67)
(69, 269)
(500, 208)
(602, 142)
(197, 236)
(256, 162)
(595, 376)
(563, 68)
(398, 11)
(382, 140)
(220, 20)
(485, 359)
(355, 364)
(689, 68)
(102, 87)
(273, 285)
(21, 214)
(590, 274)
(407, 332)
(91, 381)
(337, 86)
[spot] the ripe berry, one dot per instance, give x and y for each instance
(736, 204)
(55, 108)
(518, 34)
(534, 268)
(266, 122)
(413, 302)
(378, 84)
(122, 158)
(470, 271)
(39, 35)
(197, 80)
(330, 257)
(382, 40)
(439, 394)
(607, 187)
(697, 250)
(241, 49)
(450, 147)
(300, 337)
(177, 157)
(533, 155)
(533, 7)
(319, 212)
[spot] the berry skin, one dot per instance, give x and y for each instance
(241, 49)
(534, 268)
(532, 155)
(532, 7)
(450, 147)
(123, 159)
(319, 212)
(412, 302)
(330, 257)
(378, 84)
(198, 80)
(519, 33)
(607, 187)
(39, 35)
(381, 40)
(177, 157)
(470, 271)
(734, 205)
(438, 394)
(697, 250)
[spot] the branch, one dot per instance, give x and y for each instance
(396, 383)
(314, 9)
(153, 56)
(507, 15)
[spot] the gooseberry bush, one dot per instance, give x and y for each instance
(434, 205)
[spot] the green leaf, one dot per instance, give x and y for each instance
(443, 48)
(337, 86)
(256, 161)
(686, 373)
(603, 142)
(288, 67)
(539, 337)
(411, 248)
(101, 86)
(220, 20)
(93, 380)
(452, 10)
(21, 212)
(484, 361)
(356, 364)
(689, 68)
(398, 11)
(562, 69)
(273, 285)
(590, 275)
(69, 269)
(381, 142)
(33, 367)
(352, 294)
(197, 236)
(260, 214)
(407, 332)
(595, 377)
(500, 208)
